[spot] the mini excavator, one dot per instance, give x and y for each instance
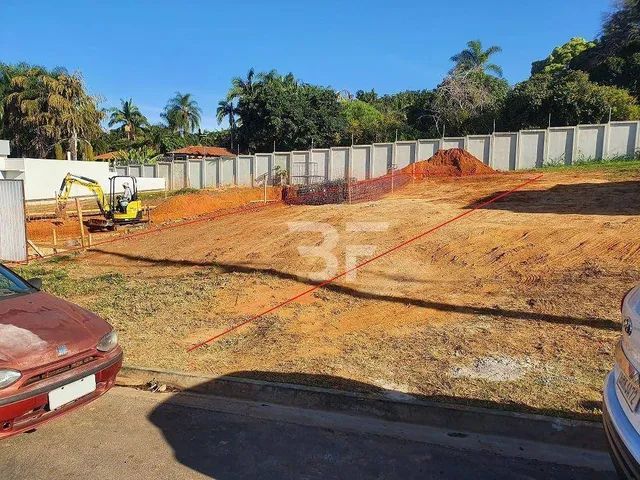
(116, 210)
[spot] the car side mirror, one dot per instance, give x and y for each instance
(35, 283)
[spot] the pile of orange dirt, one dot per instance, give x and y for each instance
(454, 162)
(42, 230)
(201, 203)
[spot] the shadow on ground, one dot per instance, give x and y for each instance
(229, 447)
(594, 322)
(611, 198)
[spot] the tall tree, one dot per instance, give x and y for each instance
(74, 114)
(182, 113)
(227, 109)
(570, 97)
(278, 108)
(561, 56)
(44, 108)
(128, 117)
(242, 86)
(475, 58)
(615, 58)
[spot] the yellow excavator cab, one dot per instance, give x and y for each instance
(116, 208)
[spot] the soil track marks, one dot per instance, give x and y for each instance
(535, 278)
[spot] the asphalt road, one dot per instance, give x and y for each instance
(130, 434)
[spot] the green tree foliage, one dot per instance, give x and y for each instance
(278, 108)
(137, 156)
(570, 97)
(615, 58)
(363, 120)
(408, 113)
(182, 113)
(43, 108)
(476, 59)
(58, 152)
(561, 56)
(128, 117)
(227, 109)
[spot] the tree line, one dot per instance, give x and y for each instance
(47, 112)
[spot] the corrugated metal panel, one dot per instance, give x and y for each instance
(13, 237)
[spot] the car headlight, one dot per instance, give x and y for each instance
(8, 377)
(108, 342)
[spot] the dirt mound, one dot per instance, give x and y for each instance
(454, 162)
(195, 204)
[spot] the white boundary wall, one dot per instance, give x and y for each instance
(42, 177)
(501, 150)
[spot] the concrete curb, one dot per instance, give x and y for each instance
(460, 418)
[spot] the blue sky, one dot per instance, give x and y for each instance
(147, 50)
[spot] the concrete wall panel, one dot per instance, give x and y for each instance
(453, 142)
(321, 160)
(504, 151)
(211, 174)
(227, 171)
(339, 160)
(148, 171)
(164, 171)
(135, 171)
(427, 148)
(244, 170)
(405, 154)
(299, 167)
(382, 159)
(622, 138)
(195, 174)
(263, 164)
(179, 179)
(361, 162)
(480, 147)
(282, 160)
(560, 148)
(590, 142)
(531, 149)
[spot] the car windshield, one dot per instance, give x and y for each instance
(11, 284)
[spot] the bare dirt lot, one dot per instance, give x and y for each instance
(514, 306)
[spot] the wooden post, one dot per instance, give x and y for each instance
(35, 249)
(79, 211)
(90, 239)
(55, 240)
(392, 175)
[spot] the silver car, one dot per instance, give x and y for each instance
(622, 392)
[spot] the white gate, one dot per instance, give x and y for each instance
(13, 228)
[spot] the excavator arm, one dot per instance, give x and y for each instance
(70, 180)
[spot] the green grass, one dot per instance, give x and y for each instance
(620, 164)
(581, 162)
(57, 280)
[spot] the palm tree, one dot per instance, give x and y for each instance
(73, 114)
(242, 86)
(45, 108)
(227, 109)
(182, 113)
(129, 117)
(474, 58)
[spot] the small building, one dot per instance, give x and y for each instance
(199, 151)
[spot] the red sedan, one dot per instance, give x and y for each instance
(54, 355)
